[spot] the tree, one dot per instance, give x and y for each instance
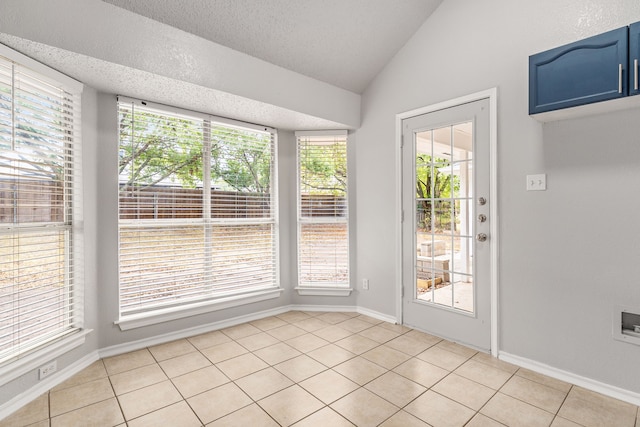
(432, 183)
(323, 169)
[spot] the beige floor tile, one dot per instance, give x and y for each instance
(311, 324)
(328, 386)
(286, 332)
(300, 368)
(221, 352)
(33, 412)
(137, 378)
(184, 364)
(437, 410)
(495, 362)
(307, 342)
(78, 396)
(218, 402)
(241, 366)
(408, 345)
(483, 374)
(178, 414)
(199, 381)
(369, 319)
(483, 421)
(395, 388)
(561, 422)
(357, 344)
(240, 331)
(331, 355)
(324, 417)
(171, 349)
(92, 372)
(421, 372)
(403, 419)
(423, 337)
(535, 394)
(379, 334)
(148, 399)
(401, 329)
(443, 358)
(544, 380)
(293, 316)
(251, 415)
(290, 405)
(386, 357)
(462, 390)
(268, 323)
(355, 325)
(595, 412)
(257, 341)
(263, 383)
(106, 413)
(513, 412)
(332, 333)
(333, 318)
(456, 348)
(364, 408)
(209, 339)
(277, 353)
(603, 401)
(360, 370)
(128, 361)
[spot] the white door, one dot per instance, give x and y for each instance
(446, 251)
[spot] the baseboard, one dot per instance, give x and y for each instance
(588, 383)
(327, 308)
(47, 384)
(377, 315)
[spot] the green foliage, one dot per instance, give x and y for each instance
(323, 169)
(432, 183)
(159, 149)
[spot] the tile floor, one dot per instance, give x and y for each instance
(316, 369)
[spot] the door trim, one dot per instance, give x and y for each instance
(492, 95)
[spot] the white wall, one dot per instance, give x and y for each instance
(567, 255)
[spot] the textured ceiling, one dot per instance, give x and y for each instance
(341, 42)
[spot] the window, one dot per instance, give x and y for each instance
(323, 226)
(197, 210)
(40, 199)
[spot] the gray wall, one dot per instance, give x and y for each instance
(567, 255)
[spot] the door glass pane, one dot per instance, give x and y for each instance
(444, 217)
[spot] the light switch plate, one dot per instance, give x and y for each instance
(537, 182)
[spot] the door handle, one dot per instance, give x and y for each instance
(635, 74)
(619, 78)
(481, 237)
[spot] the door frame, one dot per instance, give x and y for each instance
(492, 95)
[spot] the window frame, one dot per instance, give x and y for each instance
(74, 335)
(334, 289)
(219, 300)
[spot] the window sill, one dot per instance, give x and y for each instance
(323, 291)
(164, 315)
(46, 353)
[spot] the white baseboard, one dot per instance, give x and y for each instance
(377, 315)
(327, 308)
(588, 383)
(47, 384)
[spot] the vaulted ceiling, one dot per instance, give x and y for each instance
(341, 42)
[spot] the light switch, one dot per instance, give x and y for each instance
(537, 182)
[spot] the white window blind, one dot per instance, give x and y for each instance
(197, 208)
(40, 249)
(323, 229)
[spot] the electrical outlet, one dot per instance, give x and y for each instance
(48, 369)
(537, 182)
(365, 284)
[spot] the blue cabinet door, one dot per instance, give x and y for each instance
(589, 70)
(634, 59)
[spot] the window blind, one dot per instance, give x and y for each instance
(323, 229)
(39, 205)
(197, 208)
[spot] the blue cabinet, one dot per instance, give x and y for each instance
(587, 71)
(634, 58)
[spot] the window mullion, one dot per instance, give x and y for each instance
(206, 204)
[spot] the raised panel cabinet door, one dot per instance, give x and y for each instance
(590, 70)
(634, 59)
